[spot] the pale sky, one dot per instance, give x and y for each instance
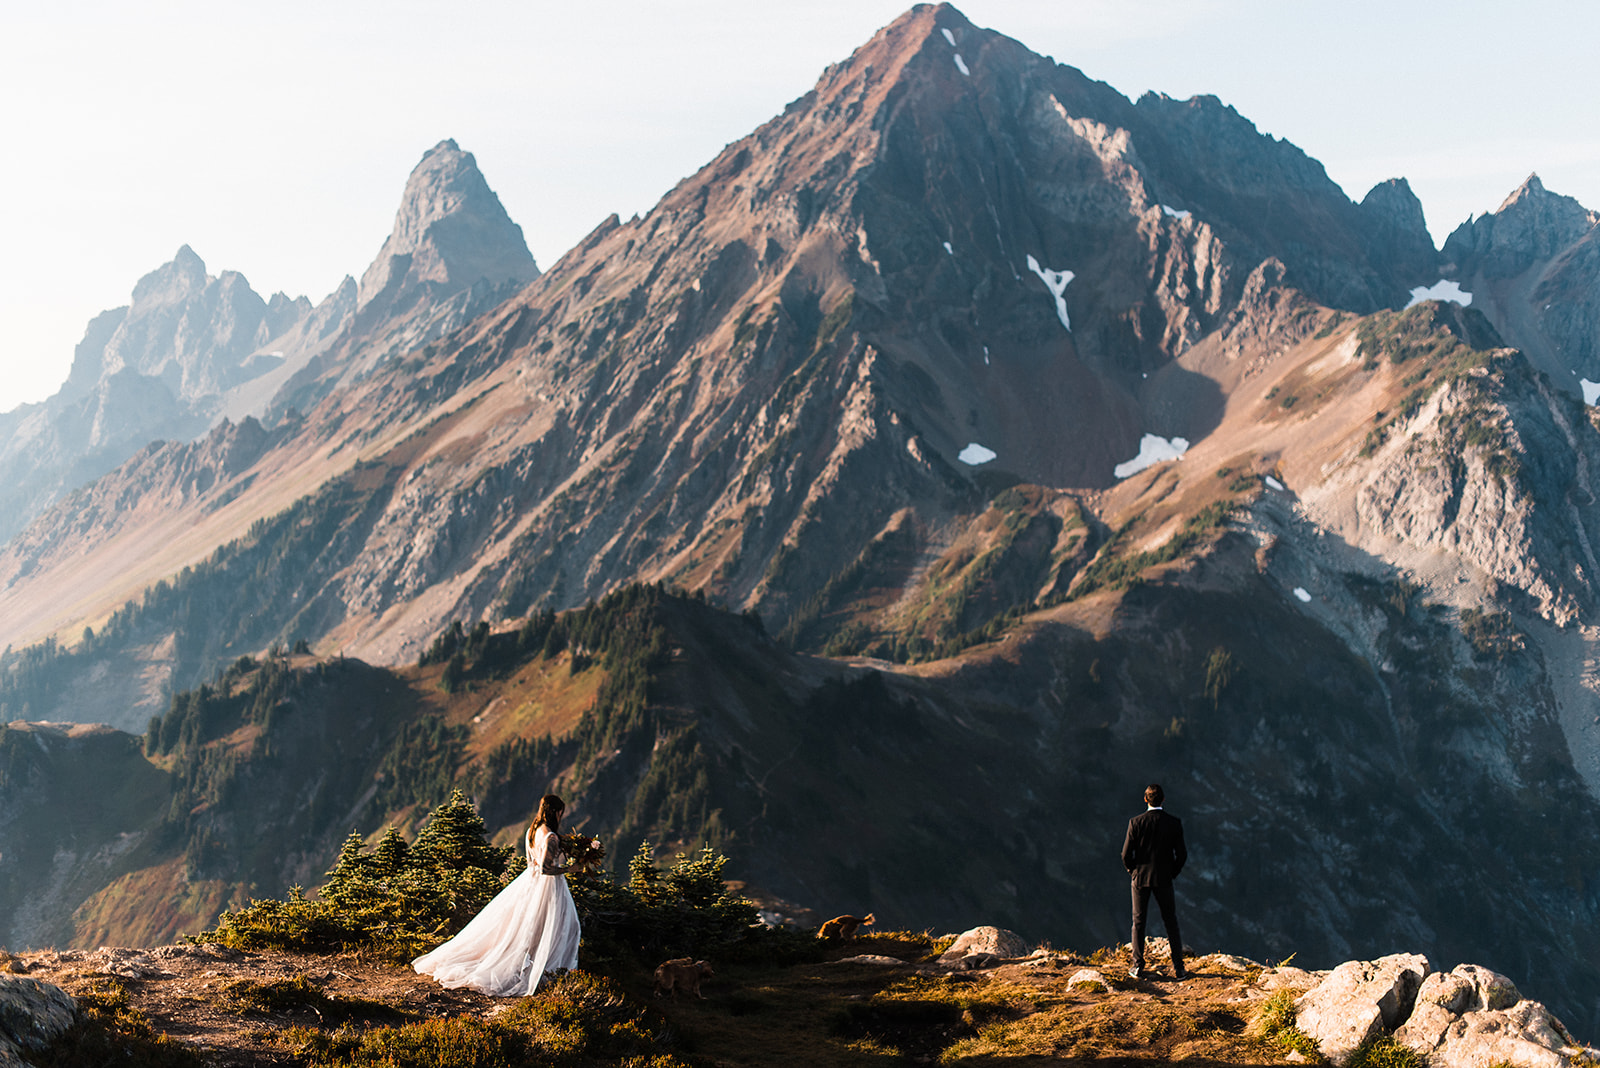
(275, 138)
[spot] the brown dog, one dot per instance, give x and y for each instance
(843, 928)
(684, 973)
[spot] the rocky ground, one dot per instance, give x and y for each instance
(987, 999)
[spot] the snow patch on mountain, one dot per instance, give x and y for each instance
(975, 454)
(1153, 449)
(1056, 282)
(1444, 289)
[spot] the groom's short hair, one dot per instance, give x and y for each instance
(1153, 795)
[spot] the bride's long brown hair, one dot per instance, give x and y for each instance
(549, 815)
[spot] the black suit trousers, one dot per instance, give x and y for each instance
(1169, 920)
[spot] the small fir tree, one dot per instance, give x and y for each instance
(455, 838)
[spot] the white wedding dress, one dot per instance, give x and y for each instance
(529, 929)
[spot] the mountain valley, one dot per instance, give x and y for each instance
(957, 452)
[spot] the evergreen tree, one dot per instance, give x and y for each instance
(351, 875)
(391, 855)
(455, 838)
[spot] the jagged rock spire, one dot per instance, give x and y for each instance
(450, 232)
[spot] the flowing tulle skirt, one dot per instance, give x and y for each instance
(529, 929)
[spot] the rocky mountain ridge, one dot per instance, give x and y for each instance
(191, 349)
(1310, 776)
(882, 378)
(748, 338)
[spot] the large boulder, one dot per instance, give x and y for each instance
(1523, 1037)
(992, 942)
(32, 1015)
(1473, 1017)
(1359, 1000)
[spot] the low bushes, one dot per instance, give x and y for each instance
(401, 899)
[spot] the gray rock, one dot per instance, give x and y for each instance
(1538, 1024)
(1448, 990)
(1490, 989)
(1425, 1030)
(1088, 976)
(1289, 978)
(1473, 1017)
(1491, 1037)
(127, 963)
(992, 941)
(1232, 963)
(450, 232)
(871, 958)
(32, 1015)
(1156, 947)
(1360, 1000)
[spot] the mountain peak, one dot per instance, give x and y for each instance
(173, 281)
(1531, 224)
(1530, 189)
(449, 232)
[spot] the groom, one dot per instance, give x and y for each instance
(1153, 853)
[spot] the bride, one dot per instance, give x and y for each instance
(527, 931)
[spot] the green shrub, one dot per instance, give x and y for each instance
(1385, 1052)
(400, 900)
(1275, 1022)
(683, 910)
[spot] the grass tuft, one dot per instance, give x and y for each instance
(1274, 1023)
(1385, 1052)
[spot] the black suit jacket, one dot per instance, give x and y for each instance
(1153, 851)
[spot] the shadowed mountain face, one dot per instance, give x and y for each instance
(1333, 810)
(784, 361)
(878, 375)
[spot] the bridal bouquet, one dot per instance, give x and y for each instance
(582, 848)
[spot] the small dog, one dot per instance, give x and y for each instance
(843, 928)
(684, 973)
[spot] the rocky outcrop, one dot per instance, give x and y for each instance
(1360, 1000)
(195, 333)
(156, 369)
(452, 255)
(1471, 1017)
(982, 946)
(1532, 226)
(33, 1014)
(1398, 234)
(450, 233)
(1533, 268)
